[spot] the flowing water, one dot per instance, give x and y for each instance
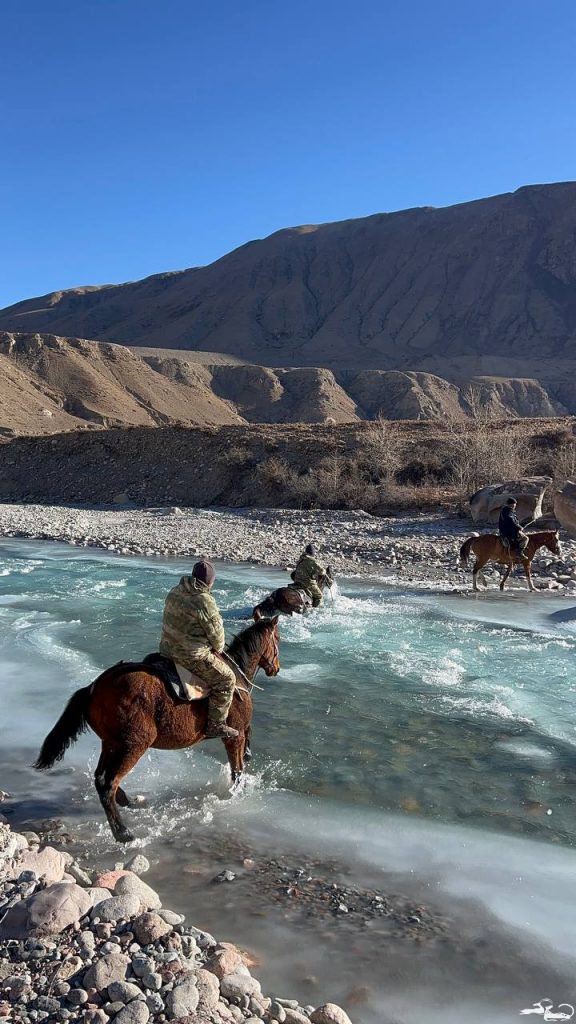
(418, 743)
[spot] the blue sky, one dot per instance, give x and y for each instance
(148, 135)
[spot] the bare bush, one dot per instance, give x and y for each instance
(385, 447)
(564, 463)
(485, 449)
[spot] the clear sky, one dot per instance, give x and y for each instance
(148, 135)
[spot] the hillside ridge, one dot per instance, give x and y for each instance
(486, 287)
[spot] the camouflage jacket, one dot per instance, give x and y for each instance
(307, 570)
(192, 624)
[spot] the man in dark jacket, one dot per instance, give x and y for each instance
(510, 528)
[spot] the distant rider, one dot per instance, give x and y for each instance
(510, 528)
(192, 635)
(309, 574)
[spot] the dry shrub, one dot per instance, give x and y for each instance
(238, 455)
(384, 447)
(484, 449)
(564, 463)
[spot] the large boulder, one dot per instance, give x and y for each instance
(529, 491)
(49, 864)
(565, 507)
(47, 912)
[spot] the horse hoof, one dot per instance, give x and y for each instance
(139, 800)
(124, 836)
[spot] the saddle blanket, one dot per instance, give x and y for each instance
(191, 686)
(181, 681)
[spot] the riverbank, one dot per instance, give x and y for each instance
(93, 947)
(417, 550)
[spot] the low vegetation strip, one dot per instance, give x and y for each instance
(382, 467)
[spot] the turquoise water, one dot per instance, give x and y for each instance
(408, 733)
(456, 709)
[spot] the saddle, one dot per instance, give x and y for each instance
(183, 683)
(301, 593)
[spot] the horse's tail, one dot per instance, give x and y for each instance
(71, 724)
(465, 552)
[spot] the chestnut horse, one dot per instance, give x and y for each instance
(130, 708)
(489, 548)
(288, 600)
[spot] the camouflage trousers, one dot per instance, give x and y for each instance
(220, 679)
(313, 591)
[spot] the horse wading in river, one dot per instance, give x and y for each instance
(130, 708)
(290, 600)
(488, 547)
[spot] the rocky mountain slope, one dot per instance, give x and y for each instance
(482, 288)
(50, 384)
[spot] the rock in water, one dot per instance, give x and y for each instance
(139, 864)
(132, 885)
(330, 1014)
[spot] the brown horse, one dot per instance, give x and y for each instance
(290, 600)
(488, 547)
(130, 708)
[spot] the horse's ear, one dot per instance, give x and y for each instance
(275, 621)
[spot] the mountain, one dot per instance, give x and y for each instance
(50, 384)
(483, 288)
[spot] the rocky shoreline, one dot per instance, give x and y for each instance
(98, 947)
(416, 550)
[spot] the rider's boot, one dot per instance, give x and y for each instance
(219, 730)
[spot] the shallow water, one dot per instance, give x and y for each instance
(424, 741)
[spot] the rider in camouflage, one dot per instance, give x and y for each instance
(309, 574)
(192, 635)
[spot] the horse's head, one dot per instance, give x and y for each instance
(552, 542)
(269, 655)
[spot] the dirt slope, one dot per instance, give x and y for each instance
(49, 384)
(482, 288)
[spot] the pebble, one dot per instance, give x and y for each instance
(139, 864)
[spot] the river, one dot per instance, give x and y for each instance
(418, 743)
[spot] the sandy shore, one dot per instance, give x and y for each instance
(416, 550)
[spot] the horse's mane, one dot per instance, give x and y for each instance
(246, 643)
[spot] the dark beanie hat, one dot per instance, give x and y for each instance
(309, 550)
(204, 572)
(511, 501)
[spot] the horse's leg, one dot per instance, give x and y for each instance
(235, 751)
(479, 564)
(123, 800)
(527, 567)
(247, 738)
(113, 765)
(506, 574)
